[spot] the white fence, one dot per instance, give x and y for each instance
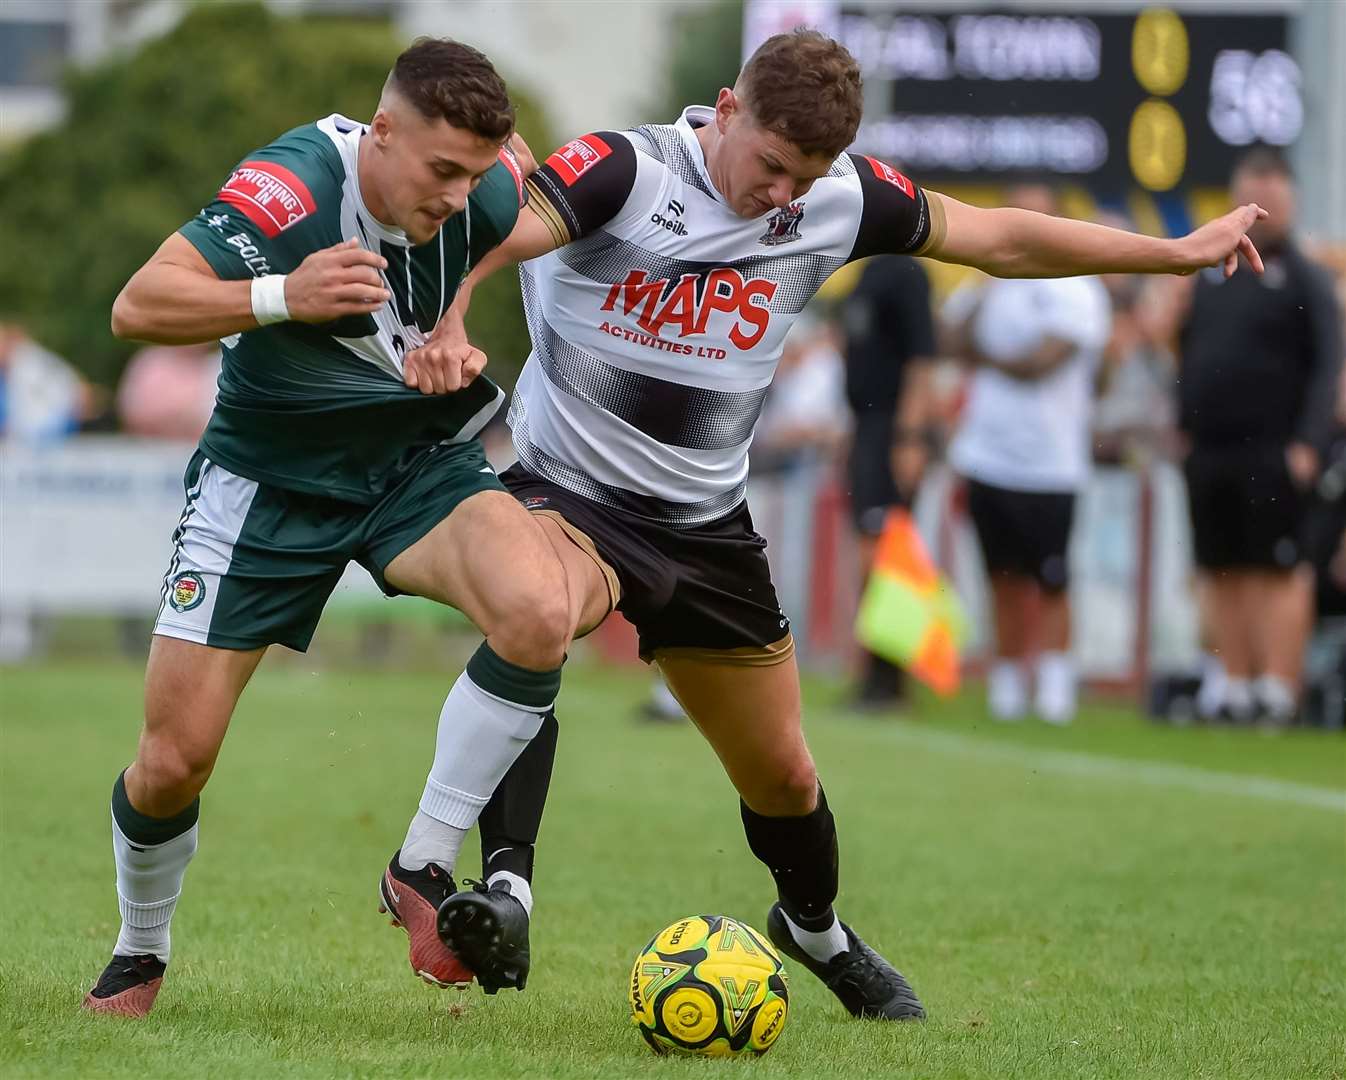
(86, 528)
(1131, 567)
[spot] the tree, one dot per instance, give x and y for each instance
(147, 140)
(706, 55)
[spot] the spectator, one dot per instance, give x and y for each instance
(1134, 415)
(168, 391)
(1258, 363)
(1023, 447)
(1324, 693)
(890, 347)
(804, 415)
(41, 396)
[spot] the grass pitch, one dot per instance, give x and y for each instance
(1114, 900)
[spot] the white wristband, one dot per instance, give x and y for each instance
(268, 299)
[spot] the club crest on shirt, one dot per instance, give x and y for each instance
(186, 592)
(782, 227)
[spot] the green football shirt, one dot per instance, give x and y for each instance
(322, 409)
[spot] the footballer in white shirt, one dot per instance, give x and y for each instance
(662, 267)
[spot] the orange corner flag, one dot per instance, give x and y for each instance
(909, 613)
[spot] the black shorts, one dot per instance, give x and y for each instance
(706, 588)
(1246, 511)
(1024, 532)
(873, 491)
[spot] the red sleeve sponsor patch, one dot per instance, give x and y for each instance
(510, 162)
(271, 196)
(889, 175)
(576, 158)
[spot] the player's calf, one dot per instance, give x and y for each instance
(151, 856)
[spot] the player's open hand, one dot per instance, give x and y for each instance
(442, 365)
(344, 279)
(1222, 241)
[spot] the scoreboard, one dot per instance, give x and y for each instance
(1151, 98)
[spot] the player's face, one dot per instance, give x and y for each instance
(1275, 193)
(425, 169)
(756, 170)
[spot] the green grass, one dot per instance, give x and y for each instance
(1077, 903)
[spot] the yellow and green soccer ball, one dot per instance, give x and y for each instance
(709, 985)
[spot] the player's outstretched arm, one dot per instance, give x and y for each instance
(177, 298)
(1006, 242)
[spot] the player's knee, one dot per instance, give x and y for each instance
(792, 791)
(170, 771)
(534, 631)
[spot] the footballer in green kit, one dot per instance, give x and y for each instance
(342, 432)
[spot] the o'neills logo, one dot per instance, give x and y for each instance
(271, 196)
(672, 223)
(677, 228)
(689, 302)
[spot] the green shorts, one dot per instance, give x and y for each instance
(253, 564)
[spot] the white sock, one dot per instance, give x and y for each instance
(430, 841)
(1238, 697)
(822, 945)
(149, 882)
(1007, 690)
(479, 737)
(1275, 695)
(517, 887)
(1211, 693)
(1056, 696)
(661, 697)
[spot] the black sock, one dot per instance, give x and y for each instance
(801, 853)
(882, 678)
(140, 828)
(509, 822)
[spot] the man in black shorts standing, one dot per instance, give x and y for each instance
(1259, 358)
(1023, 446)
(668, 263)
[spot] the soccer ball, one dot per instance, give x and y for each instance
(709, 985)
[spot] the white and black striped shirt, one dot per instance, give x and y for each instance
(657, 328)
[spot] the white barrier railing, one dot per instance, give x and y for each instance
(1130, 567)
(86, 528)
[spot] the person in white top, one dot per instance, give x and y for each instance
(662, 269)
(1023, 446)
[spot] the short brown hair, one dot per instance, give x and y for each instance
(1260, 161)
(804, 87)
(445, 79)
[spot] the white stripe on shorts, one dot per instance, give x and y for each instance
(203, 551)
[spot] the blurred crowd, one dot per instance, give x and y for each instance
(1019, 388)
(166, 392)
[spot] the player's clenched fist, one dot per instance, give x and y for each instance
(340, 280)
(441, 367)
